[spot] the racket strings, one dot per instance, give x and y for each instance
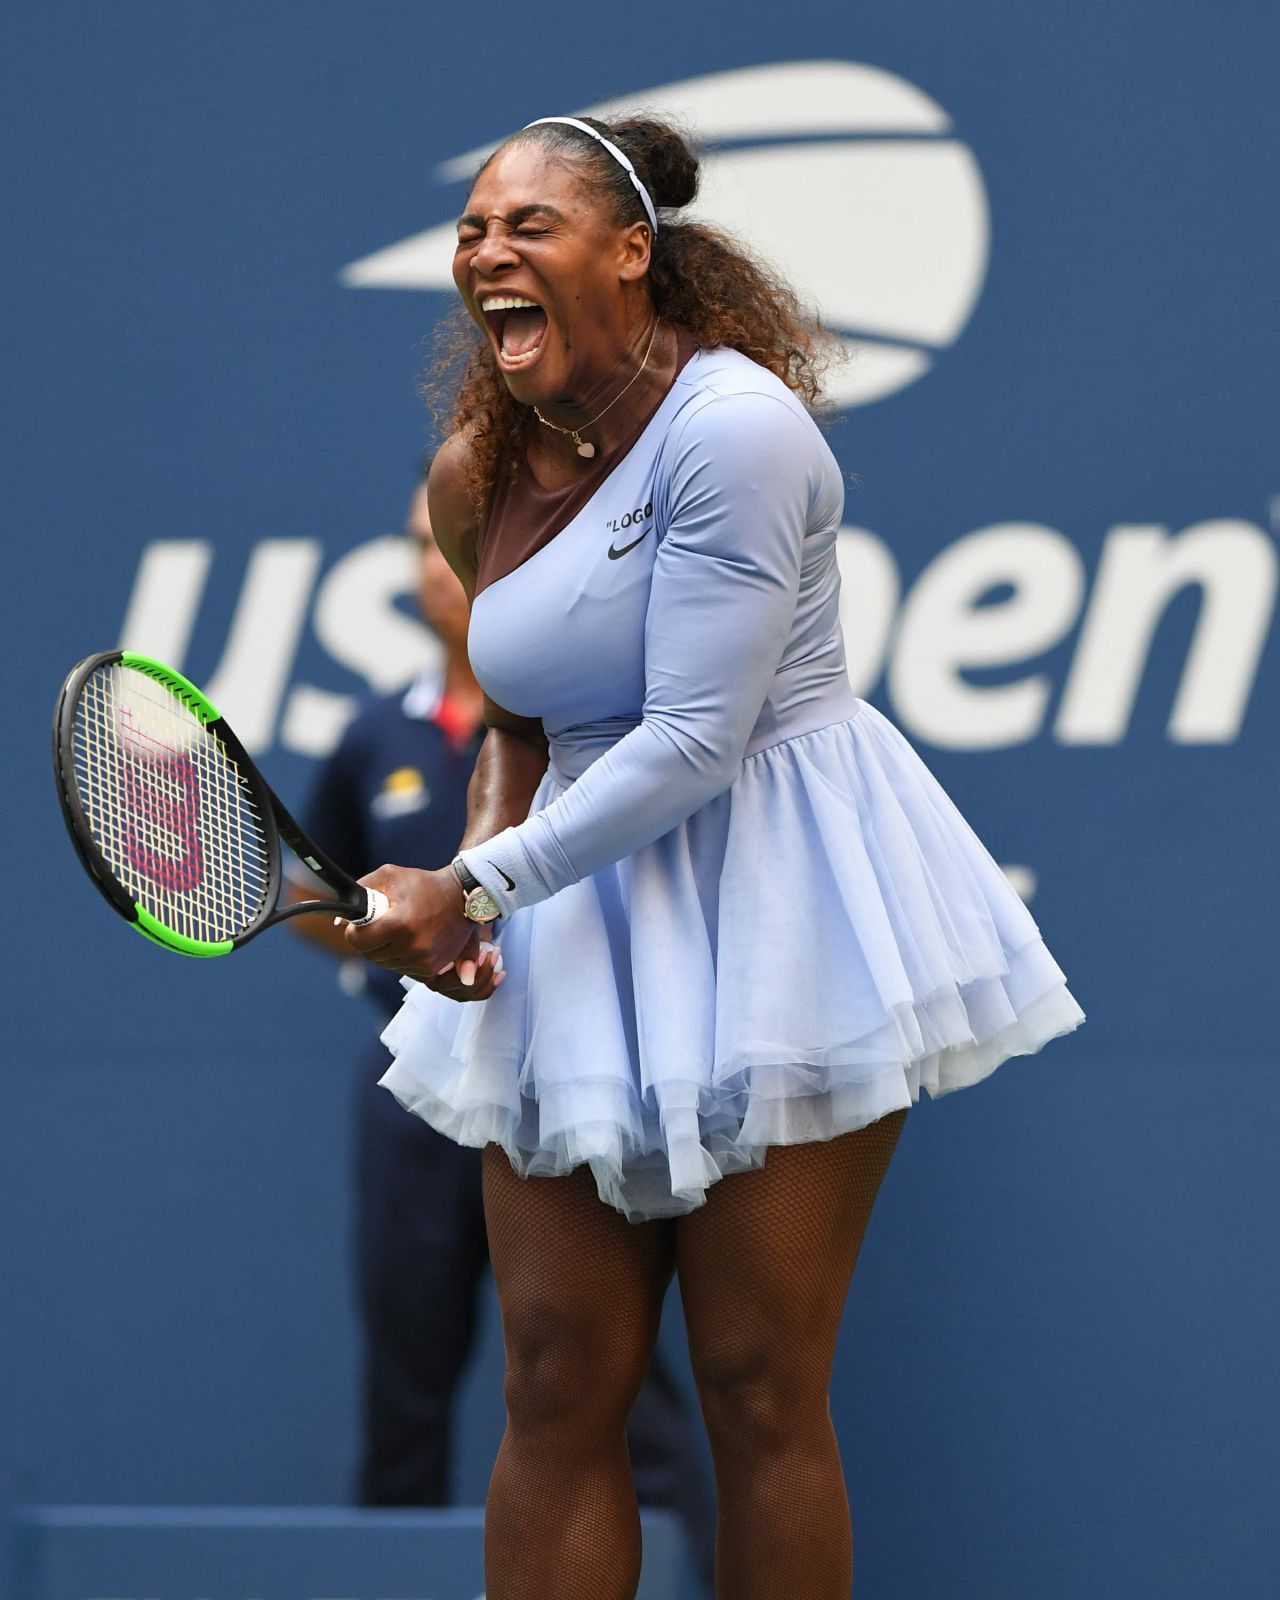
(167, 807)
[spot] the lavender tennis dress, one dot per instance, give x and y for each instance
(741, 912)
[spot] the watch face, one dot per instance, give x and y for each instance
(481, 906)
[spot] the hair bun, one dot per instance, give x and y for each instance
(662, 156)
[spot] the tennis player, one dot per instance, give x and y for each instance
(740, 924)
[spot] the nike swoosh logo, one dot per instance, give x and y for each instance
(510, 882)
(614, 553)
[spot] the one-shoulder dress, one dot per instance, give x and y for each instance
(741, 912)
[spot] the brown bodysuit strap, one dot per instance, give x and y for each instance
(522, 516)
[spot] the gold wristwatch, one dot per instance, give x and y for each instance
(478, 905)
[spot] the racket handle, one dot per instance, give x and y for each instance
(375, 904)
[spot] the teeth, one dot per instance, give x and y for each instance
(508, 303)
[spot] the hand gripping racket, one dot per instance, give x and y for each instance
(170, 817)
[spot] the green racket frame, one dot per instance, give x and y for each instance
(352, 899)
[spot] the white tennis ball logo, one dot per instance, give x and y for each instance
(844, 176)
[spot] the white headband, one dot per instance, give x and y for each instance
(617, 155)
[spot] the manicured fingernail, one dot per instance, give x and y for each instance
(467, 972)
(443, 970)
(501, 978)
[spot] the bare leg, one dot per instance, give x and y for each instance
(764, 1270)
(581, 1294)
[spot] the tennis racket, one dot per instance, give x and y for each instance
(169, 816)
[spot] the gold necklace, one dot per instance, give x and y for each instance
(585, 448)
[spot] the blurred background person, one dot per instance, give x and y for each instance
(395, 789)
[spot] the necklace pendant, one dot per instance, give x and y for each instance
(584, 446)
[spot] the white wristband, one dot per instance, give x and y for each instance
(502, 866)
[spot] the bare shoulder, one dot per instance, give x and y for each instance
(455, 521)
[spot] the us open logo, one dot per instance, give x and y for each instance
(852, 182)
(847, 178)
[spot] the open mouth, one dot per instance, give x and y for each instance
(517, 325)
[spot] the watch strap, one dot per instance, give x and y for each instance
(464, 875)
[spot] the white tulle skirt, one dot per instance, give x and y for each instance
(797, 959)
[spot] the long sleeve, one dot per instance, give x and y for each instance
(723, 599)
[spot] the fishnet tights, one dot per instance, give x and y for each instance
(764, 1268)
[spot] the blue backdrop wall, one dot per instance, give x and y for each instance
(1051, 236)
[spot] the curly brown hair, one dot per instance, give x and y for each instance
(698, 276)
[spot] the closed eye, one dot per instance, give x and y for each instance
(471, 227)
